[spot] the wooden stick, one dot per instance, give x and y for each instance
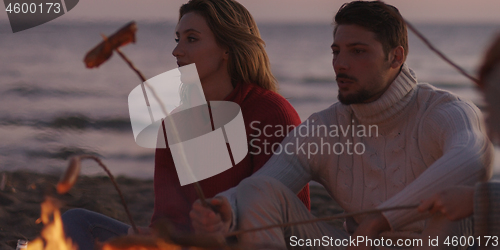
(197, 186)
(435, 50)
(339, 216)
(440, 54)
(112, 178)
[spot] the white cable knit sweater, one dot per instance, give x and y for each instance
(428, 139)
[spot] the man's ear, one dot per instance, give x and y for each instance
(398, 57)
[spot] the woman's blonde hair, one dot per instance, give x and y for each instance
(235, 29)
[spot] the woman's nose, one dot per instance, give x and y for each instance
(177, 52)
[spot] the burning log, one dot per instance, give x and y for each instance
(167, 237)
(185, 242)
(132, 242)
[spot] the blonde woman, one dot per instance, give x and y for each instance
(222, 39)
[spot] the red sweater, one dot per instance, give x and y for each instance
(260, 106)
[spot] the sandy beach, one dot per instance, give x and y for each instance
(24, 191)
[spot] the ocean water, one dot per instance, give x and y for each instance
(52, 107)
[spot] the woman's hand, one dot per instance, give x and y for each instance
(206, 220)
(455, 203)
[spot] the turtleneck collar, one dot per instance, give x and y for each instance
(394, 99)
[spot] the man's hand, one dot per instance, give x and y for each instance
(206, 220)
(455, 203)
(370, 227)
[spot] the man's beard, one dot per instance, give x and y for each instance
(359, 97)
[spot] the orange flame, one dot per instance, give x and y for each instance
(52, 236)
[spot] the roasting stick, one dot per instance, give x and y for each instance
(197, 186)
(103, 51)
(218, 240)
(435, 50)
(72, 172)
(340, 216)
(94, 58)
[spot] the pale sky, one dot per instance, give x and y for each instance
(287, 10)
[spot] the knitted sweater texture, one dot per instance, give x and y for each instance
(259, 108)
(422, 140)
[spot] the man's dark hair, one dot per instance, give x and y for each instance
(382, 19)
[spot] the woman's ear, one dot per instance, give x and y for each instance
(398, 57)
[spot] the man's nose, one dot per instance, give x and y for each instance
(340, 62)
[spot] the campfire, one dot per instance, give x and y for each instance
(53, 238)
(52, 235)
